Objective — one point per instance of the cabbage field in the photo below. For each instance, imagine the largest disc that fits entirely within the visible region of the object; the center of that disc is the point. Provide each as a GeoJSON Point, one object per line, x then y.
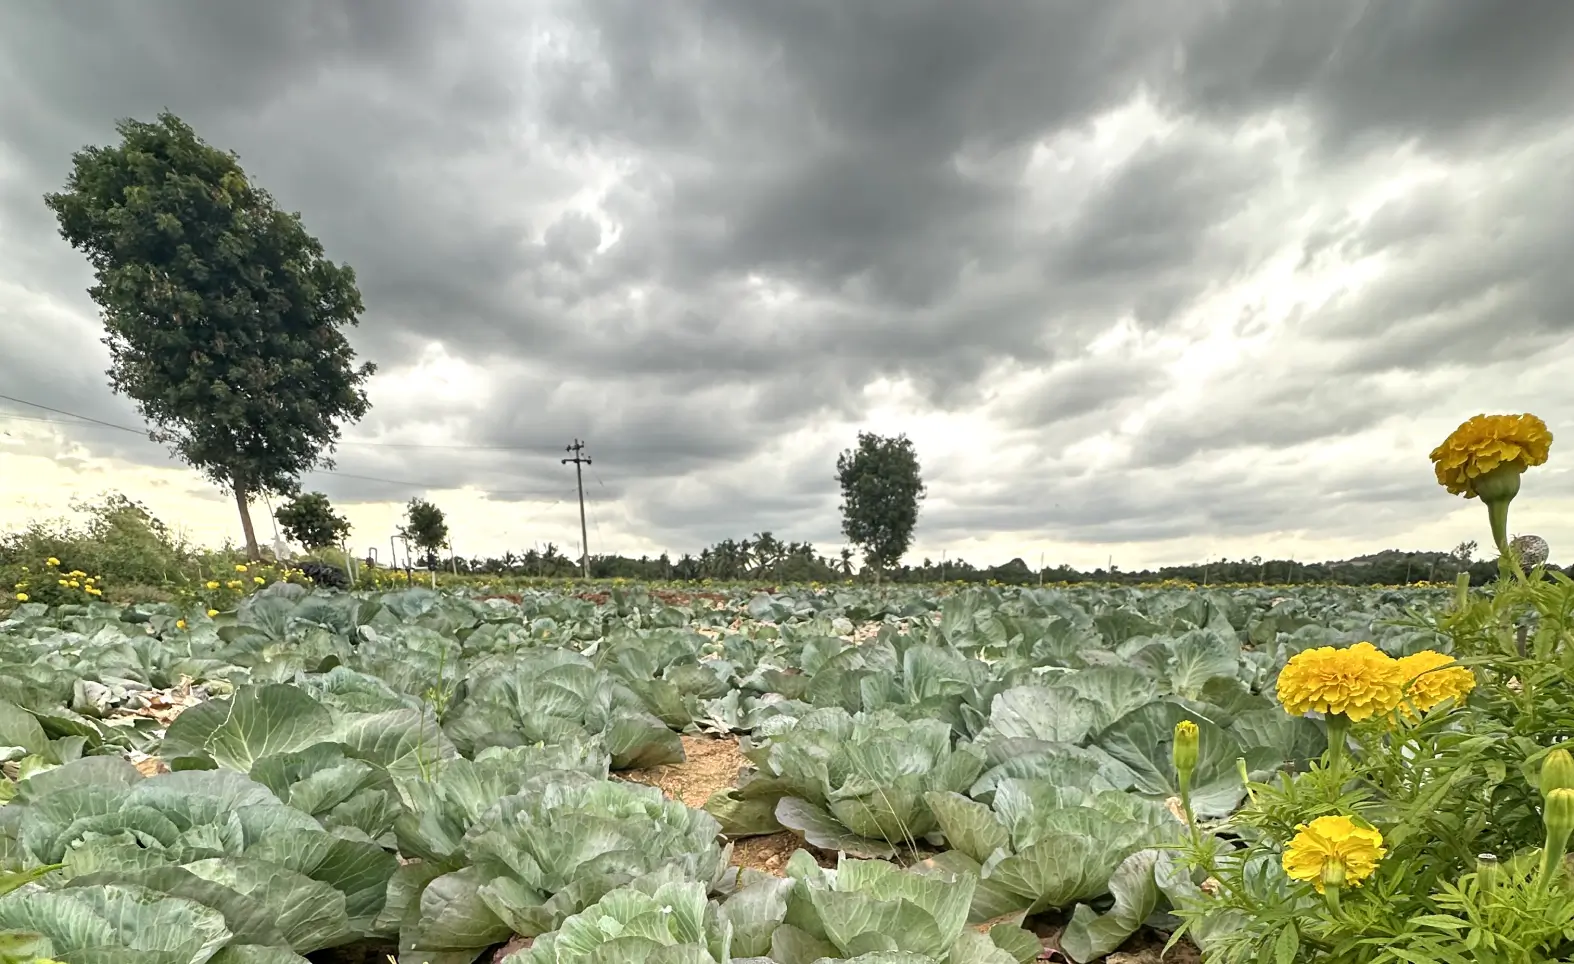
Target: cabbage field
{"type": "Point", "coordinates": [892, 776]}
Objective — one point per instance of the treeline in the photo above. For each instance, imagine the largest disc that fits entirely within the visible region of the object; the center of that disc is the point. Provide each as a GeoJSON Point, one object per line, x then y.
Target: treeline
{"type": "Point", "coordinates": [766, 558]}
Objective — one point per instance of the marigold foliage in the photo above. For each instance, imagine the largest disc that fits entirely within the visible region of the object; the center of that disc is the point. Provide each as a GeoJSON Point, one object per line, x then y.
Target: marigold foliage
{"type": "Point", "coordinates": [1358, 681]}
{"type": "Point", "coordinates": [1487, 442]}
{"type": "Point", "coordinates": [1333, 840]}
{"type": "Point", "coordinates": [1433, 677]}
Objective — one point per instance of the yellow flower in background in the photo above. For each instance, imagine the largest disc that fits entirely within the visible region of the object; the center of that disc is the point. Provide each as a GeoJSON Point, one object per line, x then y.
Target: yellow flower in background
{"type": "Point", "coordinates": [51, 561]}
{"type": "Point", "coordinates": [63, 582]}
{"type": "Point", "coordinates": [213, 584]}
{"type": "Point", "coordinates": [1354, 850]}
{"type": "Point", "coordinates": [180, 624]}
{"type": "Point", "coordinates": [1433, 677]}
{"type": "Point", "coordinates": [21, 597]}
{"type": "Point", "coordinates": [233, 584]}
{"type": "Point", "coordinates": [74, 584]}
{"type": "Point", "coordinates": [240, 567]}
{"type": "Point", "coordinates": [1487, 442]}
{"type": "Point", "coordinates": [212, 613]}
{"type": "Point", "coordinates": [1359, 682]}
{"type": "Point", "coordinates": [259, 580]}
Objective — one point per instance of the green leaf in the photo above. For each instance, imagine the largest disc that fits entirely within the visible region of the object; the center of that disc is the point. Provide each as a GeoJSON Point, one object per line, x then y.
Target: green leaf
{"type": "Point", "coordinates": [820, 828]}
{"type": "Point", "coordinates": [1287, 945]}
{"type": "Point", "coordinates": [258, 721]}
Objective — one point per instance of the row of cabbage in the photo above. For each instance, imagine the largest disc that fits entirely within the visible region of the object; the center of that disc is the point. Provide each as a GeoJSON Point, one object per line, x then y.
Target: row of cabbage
{"type": "Point", "coordinates": [435, 770]}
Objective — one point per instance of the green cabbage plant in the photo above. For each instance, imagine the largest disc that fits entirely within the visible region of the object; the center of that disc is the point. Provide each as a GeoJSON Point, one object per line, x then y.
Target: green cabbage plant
{"type": "Point", "coordinates": [1041, 846]}
{"type": "Point", "coordinates": [854, 783]}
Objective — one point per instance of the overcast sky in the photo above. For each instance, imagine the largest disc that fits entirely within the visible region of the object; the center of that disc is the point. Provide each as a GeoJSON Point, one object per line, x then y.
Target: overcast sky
{"type": "Point", "coordinates": [1150, 279]}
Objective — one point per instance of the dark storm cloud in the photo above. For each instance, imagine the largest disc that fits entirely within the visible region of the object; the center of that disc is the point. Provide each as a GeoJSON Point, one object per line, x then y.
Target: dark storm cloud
{"type": "Point", "coordinates": [1461, 70]}
{"type": "Point", "coordinates": [686, 231]}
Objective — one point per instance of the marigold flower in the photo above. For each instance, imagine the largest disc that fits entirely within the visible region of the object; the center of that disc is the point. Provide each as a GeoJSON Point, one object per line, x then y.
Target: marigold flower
{"type": "Point", "coordinates": [1359, 681]}
{"type": "Point", "coordinates": [1487, 442]}
{"type": "Point", "coordinates": [213, 584]}
{"type": "Point", "coordinates": [240, 567]}
{"type": "Point", "coordinates": [1433, 677]}
{"type": "Point", "coordinates": [1335, 840]}
{"type": "Point", "coordinates": [259, 580]}
{"type": "Point", "coordinates": [51, 561]}
{"type": "Point", "coordinates": [21, 597]}
{"type": "Point", "coordinates": [212, 613]}
{"type": "Point", "coordinates": [180, 624]}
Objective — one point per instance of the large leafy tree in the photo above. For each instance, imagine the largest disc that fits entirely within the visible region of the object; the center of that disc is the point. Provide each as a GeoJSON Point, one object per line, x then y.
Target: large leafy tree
{"type": "Point", "coordinates": [881, 489]}
{"type": "Point", "coordinates": [222, 315]}
{"type": "Point", "coordinates": [310, 520]}
{"type": "Point", "coordinates": [425, 526]}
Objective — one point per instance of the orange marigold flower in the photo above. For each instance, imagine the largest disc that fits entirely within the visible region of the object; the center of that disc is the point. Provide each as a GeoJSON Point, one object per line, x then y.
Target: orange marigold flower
{"type": "Point", "coordinates": [1432, 677]}
{"type": "Point", "coordinates": [1488, 442]}
{"type": "Point", "coordinates": [1356, 849]}
{"type": "Point", "coordinates": [1358, 681]}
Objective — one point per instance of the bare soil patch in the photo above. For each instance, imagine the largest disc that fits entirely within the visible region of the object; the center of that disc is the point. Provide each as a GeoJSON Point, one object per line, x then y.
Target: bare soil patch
{"type": "Point", "coordinates": [710, 764]}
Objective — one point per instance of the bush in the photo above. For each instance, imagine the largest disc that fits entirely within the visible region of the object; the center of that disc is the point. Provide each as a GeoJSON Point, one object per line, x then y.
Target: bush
{"type": "Point", "coordinates": [119, 542]}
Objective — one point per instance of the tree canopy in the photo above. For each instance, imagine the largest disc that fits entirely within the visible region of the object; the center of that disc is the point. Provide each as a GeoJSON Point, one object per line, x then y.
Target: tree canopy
{"type": "Point", "coordinates": [310, 520]}
{"type": "Point", "coordinates": [881, 489]}
{"type": "Point", "coordinates": [425, 526]}
{"type": "Point", "coordinates": [221, 313]}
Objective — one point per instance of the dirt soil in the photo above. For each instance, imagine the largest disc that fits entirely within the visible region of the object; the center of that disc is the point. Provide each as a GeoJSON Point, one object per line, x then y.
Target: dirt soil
{"type": "Point", "coordinates": [710, 764]}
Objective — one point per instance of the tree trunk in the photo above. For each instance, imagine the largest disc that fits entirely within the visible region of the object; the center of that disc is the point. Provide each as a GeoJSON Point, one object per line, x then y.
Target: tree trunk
{"type": "Point", "coordinates": [242, 501]}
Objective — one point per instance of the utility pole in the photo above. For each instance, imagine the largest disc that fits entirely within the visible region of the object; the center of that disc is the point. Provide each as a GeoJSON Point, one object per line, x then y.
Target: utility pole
{"type": "Point", "coordinates": [581, 460]}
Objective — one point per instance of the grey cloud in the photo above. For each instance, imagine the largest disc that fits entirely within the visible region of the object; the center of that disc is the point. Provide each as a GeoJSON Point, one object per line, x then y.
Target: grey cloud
{"type": "Point", "coordinates": [871, 161]}
{"type": "Point", "coordinates": [1452, 72]}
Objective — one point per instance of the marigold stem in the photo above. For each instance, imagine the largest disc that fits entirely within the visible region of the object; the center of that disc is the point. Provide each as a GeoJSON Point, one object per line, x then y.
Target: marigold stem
{"type": "Point", "coordinates": [1338, 728]}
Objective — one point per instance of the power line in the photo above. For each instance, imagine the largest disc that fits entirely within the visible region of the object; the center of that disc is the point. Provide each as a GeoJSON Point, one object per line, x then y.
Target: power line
{"type": "Point", "coordinates": [333, 472]}
{"type": "Point", "coordinates": [360, 442]}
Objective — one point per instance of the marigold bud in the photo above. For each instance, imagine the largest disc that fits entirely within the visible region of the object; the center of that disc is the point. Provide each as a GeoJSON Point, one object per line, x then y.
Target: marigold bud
{"type": "Point", "coordinates": [1184, 753]}
{"type": "Point", "coordinates": [1488, 872]}
{"type": "Point", "coordinates": [1557, 772]}
{"type": "Point", "coordinates": [1558, 814]}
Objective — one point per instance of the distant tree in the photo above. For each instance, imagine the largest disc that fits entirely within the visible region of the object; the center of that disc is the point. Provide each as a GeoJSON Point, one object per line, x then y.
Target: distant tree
{"type": "Point", "coordinates": [221, 313]}
{"type": "Point", "coordinates": [425, 526]}
{"type": "Point", "coordinates": [310, 520]}
{"type": "Point", "coordinates": [1464, 552]}
{"type": "Point", "coordinates": [881, 489]}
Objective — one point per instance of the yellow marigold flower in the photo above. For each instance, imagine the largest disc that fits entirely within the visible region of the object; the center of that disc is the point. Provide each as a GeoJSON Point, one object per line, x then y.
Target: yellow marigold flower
{"type": "Point", "coordinates": [1487, 442]}
{"type": "Point", "coordinates": [180, 624]}
{"type": "Point", "coordinates": [240, 567]}
{"type": "Point", "coordinates": [212, 613]}
{"type": "Point", "coordinates": [213, 584]}
{"type": "Point", "coordinates": [21, 597]}
{"type": "Point", "coordinates": [1359, 681]}
{"type": "Point", "coordinates": [1433, 677]}
{"type": "Point", "coordinates": [74, 584]}
{"type": "Point", "coordinates": [259, 580]}
{"type": "Point", "coordinates": [63, 582]}
{"type": "Point", "coordinates": [233, 584]}
{"type": "Point", "coordinates": [51, 561]}
{"type": "Point", "coordinates": [1333, 840]}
